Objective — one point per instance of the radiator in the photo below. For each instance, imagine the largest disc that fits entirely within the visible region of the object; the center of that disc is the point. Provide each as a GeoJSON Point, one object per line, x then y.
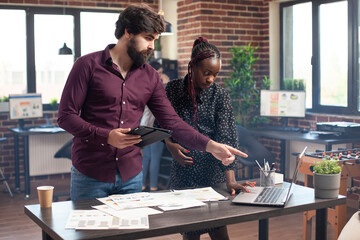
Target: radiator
{"type": "Point", "coordinates": [42, 148]}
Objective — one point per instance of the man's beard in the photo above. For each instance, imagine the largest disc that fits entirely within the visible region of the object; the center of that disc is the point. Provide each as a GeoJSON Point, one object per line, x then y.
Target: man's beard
{"type": "Point", "coordinates": [139, 58]}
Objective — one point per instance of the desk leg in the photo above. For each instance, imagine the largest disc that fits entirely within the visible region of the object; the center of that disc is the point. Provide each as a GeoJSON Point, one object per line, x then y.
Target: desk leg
{"type": "Point", "coordinates": [321, 224]}
{"type": "Point", "coordinates": [26, 167]}
{"type": "Point", "coordinates": [264, 229]}
{"type": "Point", "coordinates": [16, 156]}
{"type": "Point", "coordinates": [45, 236]}
{"type": "Point", "coordinates": [282, 156]}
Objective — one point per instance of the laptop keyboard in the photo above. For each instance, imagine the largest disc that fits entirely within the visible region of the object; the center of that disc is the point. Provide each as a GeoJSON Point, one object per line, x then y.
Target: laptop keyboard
{"type": "Point", "coordinates": [269, 195]}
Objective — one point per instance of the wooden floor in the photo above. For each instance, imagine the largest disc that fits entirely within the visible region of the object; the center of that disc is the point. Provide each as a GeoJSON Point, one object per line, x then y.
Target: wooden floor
{"type": "Point", "coordinates": [14, 224]}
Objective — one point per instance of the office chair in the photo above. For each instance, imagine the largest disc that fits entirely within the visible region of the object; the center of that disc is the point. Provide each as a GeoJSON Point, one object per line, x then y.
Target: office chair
{"type": "Point", "coordinates": [63, 152]}
{"type": "Point", "coordinates": [254, 149]}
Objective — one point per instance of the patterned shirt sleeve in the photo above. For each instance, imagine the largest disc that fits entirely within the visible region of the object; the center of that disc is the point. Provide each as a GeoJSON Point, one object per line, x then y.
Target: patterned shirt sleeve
{"type": "Point", "coordinates": [225, 122]}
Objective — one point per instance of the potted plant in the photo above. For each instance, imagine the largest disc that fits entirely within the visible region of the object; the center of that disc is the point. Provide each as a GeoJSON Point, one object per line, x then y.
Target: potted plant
{"type": "Point", "coordinates": [4, 104]}
{"type": "Point", "coordinates": [294, 84]}
{"type": "Point", "coordinates": [54, 104]}
{"type": "Point", "coordinates": [327, 174]}
{"type": "Point", "coordinates": [244, 89]}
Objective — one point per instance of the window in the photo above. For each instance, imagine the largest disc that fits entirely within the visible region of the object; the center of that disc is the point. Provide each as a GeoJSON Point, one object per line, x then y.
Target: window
{"type": "Point", "coordinates": [317, 43]}
{"type": "Point", "coordinates": [333, 43]}
{"type": "Point", "coordinates": [51, 68]}
{"type": "Point", "coordinates": [29, 60]}
{"type": "Point", "coordinates": [97, 31]}
{"type": "Point", "coordinates": [13, 52]}
{"type": "Point", "coordinates": [297, 50]}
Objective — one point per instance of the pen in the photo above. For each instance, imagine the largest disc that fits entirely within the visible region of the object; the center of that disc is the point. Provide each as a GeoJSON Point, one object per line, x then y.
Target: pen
{"type": "Point", "coordinates": [267, 167]}
{"type": "Point", "coordinates": [264, 164]}
{"type": "Point", "coordinates": [260, 167]}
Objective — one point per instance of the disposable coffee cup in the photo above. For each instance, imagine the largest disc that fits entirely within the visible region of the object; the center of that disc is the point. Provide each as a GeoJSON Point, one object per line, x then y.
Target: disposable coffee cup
{"type": "Point", "coordinates": [267, 178]}
{"type": "Point", "coordinates": [45, 194]}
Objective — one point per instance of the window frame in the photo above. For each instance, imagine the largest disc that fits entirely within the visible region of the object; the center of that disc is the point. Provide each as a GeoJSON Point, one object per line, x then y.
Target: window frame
{"type": "Point", "coordinates": [353, 55]}
{"type": "Point", "coordinates": [30, 36]}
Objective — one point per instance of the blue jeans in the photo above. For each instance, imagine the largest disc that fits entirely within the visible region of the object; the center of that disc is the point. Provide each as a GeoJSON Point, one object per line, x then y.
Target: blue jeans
{"type": "Point", "coordinates": [84, 187]}
{"type": "Point", "coordinates": [151, 163]}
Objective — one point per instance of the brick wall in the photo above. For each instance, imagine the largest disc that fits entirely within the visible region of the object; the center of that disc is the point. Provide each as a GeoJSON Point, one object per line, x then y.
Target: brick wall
{"type": "Point", "coordinates": [225, 24]}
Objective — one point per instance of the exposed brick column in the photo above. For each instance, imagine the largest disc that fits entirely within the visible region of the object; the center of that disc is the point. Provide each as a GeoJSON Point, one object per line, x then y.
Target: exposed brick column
{"type": "Point", "coordinates": [224, 24]}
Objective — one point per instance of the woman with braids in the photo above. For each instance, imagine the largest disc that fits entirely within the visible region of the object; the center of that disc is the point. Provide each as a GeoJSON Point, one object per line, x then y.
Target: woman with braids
{"type": "Point", "coordinates": [206, 106]}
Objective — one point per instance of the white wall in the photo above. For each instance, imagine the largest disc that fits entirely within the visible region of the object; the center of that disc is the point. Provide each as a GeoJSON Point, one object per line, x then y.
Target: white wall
{"type": "Point", "coordinates": [169, 43]}
{"type": "Point", "coordinates": [274, 42]}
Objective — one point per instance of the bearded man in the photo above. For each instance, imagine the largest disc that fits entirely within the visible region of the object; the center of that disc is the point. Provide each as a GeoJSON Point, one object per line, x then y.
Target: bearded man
{"type": "Point", "coordinates": [104, 98]}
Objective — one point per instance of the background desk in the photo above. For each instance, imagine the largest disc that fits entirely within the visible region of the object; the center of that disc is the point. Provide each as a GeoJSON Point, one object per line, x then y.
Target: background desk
{"type": "Point", "coordinates": [53, 220]}
{"type": "Point", "coordinates": [25, 133]}
{"type": "Point", "coordinates": [302, 137]}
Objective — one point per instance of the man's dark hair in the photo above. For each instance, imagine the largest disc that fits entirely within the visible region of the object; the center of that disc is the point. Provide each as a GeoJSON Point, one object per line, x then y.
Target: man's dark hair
{"type": "Point", "coordinates": [137, 19]}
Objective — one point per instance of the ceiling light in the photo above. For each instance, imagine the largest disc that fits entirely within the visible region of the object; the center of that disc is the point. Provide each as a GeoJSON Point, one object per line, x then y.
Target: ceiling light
{"type": "Point", "coordinates": [65, 50]}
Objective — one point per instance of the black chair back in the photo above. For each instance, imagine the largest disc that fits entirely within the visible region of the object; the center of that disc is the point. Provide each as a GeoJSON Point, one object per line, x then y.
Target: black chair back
{"type": "Point", "coordinates": [254, 149]}
{"type": "Point", "coordinates": [65, 150]}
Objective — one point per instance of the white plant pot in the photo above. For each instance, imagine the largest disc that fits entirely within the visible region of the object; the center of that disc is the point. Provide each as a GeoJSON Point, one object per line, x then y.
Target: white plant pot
{"type": "Point", "coordinates": [326, 185]}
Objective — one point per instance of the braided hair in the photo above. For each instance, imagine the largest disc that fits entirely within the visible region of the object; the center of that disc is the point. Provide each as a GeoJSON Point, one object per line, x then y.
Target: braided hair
{"type": "Point", "coordinates": [201, 50]}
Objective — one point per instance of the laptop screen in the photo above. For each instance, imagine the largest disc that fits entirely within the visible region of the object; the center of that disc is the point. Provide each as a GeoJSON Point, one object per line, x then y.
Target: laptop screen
{"type": "Point", "coordinates": [298, 165]}
{"type": "Point", "coordinates": [296, 171]}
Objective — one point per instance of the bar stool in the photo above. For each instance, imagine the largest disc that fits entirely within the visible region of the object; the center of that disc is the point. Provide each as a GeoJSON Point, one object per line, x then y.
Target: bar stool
{"type": "Point", "coordinates": [2, 177]}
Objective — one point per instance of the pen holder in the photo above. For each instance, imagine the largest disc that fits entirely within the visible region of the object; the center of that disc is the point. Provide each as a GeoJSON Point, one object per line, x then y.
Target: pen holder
{"type": "Point", "coordinates": [267, 178]}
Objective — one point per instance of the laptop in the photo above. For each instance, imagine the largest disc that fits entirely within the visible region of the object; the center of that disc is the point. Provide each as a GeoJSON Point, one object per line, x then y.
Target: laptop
{"type": "Point", "coordinates": [270, 196]}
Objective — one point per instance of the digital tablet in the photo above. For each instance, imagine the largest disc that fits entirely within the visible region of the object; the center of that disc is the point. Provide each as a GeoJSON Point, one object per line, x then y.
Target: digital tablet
{"type": "Point", "coordinates": [150, 135]}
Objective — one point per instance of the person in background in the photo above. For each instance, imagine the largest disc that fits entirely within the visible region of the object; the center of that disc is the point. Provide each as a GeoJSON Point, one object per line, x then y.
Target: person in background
{"type": "Point", "coordinates": [206, 106]}
{"type": "Point", "coordinates": [104, 98]}
{"type": "Point", "coordinates": [152, 153]}
{"type": "Point", "coordinates": [160, 69]}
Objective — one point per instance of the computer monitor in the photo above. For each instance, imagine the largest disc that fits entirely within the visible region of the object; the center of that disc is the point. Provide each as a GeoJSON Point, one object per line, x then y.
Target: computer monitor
{"type": "Point", "coordinates": [24, 106]}
{"type": "Point", "coordinates": [282, 103]}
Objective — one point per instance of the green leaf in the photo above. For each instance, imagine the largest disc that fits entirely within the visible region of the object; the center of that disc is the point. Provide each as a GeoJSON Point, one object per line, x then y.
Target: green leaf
{"type": "Point", "coordinates": [327, 166]}
{"type": "Point", "coordinates": [244, 89]}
